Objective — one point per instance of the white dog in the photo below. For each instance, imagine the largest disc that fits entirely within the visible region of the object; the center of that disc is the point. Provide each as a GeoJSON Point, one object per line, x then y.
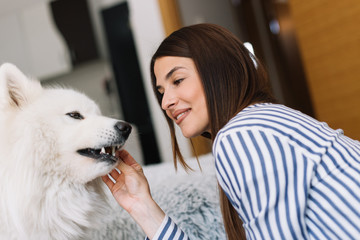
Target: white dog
{"type": "Point", "coordinates": [54, 145]}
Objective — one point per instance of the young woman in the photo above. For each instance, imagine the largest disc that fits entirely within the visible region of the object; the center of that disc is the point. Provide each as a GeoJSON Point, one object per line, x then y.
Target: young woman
{"type": "Point", "coordinates": [283, 175]}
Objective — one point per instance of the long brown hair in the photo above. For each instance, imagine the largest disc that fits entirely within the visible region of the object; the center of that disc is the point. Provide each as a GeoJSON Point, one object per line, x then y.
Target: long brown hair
{"type": "Point", "coordinates": [232, 79]}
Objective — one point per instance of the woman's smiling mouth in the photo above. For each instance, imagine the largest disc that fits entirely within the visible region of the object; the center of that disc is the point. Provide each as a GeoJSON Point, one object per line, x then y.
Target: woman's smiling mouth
{"type": "Point", "coordinates": [181, 116]}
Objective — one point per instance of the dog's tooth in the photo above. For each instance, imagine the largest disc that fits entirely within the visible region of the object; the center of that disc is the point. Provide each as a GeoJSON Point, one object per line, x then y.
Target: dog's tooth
{"type": "Point", "coordinates": [102, 150]}
{"type": "Point", "coordinates": [113, 150]}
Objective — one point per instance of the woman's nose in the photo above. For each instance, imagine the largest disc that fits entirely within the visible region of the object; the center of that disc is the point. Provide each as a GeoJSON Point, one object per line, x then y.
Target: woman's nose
{"type": "Point", "coordinates": [168, 101]}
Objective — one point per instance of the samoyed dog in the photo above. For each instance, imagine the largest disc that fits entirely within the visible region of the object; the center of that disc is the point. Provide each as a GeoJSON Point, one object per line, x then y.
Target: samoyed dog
{"type": "Point", "coordinates": [54, 146]}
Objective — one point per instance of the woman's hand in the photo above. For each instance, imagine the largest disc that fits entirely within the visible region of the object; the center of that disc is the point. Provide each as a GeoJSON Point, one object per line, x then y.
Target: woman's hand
{"type": "Point", "coordinates": [131, 190]}
{"type": "Point", "coordinates": [130, 185]}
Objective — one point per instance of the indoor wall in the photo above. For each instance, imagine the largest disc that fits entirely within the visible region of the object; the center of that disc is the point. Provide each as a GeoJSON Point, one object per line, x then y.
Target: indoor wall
{"type": "Point", "coordinates": [328, 33]}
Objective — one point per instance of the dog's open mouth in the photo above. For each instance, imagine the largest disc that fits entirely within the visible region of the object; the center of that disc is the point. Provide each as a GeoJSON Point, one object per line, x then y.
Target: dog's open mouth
{"type": "Point", "coordinates": [101, 154]}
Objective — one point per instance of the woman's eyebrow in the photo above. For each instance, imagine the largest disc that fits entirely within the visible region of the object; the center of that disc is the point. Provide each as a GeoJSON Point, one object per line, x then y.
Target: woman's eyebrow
{"type": "Point", "coordinates": [168, 75]}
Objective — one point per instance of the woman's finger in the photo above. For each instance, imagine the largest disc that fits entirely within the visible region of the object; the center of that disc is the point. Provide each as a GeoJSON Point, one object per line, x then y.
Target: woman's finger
{"type": "Point", "coordinates": [114, 174]}
{"type": "Point", "coordinates": [126, 157]}
{"type": "Point", "coordinates": [123, 167]}
{"type": "Point", "coordinates": [127, 161]}
{"type": "Point", "coordinates": [106, 179]}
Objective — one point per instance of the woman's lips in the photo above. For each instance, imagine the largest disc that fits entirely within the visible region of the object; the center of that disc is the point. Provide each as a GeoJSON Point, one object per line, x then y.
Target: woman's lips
{"type": "Point", "coordinates": [181, 116]}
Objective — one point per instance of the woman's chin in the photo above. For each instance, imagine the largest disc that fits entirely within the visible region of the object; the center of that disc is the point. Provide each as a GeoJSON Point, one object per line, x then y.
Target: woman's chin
{"type": "Point", "coordinates": [190, 133]}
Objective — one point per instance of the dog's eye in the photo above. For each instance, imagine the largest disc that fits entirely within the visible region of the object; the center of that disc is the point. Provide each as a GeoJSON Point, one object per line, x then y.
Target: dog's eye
{"type": "Point", "coordinates": [75, 115]}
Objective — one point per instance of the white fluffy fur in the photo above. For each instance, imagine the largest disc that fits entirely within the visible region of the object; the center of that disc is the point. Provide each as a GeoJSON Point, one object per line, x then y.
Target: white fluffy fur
{"type": "Point", "coordinates": [47, 190]}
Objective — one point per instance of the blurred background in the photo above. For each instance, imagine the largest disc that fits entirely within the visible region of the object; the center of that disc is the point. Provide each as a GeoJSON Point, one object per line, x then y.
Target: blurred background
{"type": "Point", "coordinates": [103, 48]}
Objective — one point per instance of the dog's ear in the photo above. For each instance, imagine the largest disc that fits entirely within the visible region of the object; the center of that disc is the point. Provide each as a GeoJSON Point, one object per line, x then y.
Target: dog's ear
{"type": "Point", "coordinates": [16, 90]}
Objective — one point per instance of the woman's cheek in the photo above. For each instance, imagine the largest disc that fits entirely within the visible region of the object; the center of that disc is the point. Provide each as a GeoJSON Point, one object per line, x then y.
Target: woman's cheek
{"type": "Point", "coordinates": [169, 115]}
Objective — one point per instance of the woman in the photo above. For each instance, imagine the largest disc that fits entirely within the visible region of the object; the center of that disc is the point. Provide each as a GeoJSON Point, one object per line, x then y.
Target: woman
{"type": "Point", "coordinates": [283, 175]}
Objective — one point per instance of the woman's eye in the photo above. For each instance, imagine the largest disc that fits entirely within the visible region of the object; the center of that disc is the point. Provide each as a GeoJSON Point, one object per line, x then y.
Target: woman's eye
{"type": "Point", "coordinates": [178, 81]}
{"type": "Point", "coordinates": [75, 115]}
{"type": "Point", "coordinates": [160, 92]}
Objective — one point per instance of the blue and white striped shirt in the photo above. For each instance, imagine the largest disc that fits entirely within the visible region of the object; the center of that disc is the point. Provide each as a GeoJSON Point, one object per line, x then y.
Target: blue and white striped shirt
{"type": "Point", "coordinates": [287, 175]}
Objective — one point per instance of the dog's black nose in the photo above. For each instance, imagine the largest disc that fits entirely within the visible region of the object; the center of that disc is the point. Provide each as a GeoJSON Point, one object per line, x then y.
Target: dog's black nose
{"type": "Point", "coordinates": [123, 128]}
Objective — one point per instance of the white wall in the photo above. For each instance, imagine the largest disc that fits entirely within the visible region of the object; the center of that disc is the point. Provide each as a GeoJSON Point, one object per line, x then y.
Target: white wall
{"type": "Point", "coordinates": [29, 39]}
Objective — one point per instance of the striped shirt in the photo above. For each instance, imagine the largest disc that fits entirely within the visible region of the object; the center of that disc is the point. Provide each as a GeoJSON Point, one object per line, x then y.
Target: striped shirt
{"type": "Point", "coordinates": [287, 175]}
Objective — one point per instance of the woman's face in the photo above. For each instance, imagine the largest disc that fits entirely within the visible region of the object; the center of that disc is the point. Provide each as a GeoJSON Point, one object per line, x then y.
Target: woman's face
{"type": "Point", "coordinates": [183, 95]}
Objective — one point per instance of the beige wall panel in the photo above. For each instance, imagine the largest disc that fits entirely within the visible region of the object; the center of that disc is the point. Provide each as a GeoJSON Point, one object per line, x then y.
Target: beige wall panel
{"type": "Point", "coordinates": [170, 15]}
{"type": "Point", "coordinates": [328, 33]}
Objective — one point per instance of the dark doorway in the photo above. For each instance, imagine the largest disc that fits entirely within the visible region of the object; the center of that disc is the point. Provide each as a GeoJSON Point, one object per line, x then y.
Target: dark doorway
{"type": "Point", "coordinates": [72, 18]}
{"type": "Point", "coordinates": [125, 65]}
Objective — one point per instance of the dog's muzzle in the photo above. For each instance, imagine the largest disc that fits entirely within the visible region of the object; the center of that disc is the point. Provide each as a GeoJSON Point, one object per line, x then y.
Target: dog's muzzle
{"type": "Point", "coordinates": [107, 152]}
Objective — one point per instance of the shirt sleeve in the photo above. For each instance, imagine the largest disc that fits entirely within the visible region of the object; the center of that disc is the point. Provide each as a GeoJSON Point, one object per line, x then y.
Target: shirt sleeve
{"type": "Point", "coordinates": [169, 231]}
{"type": "Point", "coordinates": [266, 179]}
